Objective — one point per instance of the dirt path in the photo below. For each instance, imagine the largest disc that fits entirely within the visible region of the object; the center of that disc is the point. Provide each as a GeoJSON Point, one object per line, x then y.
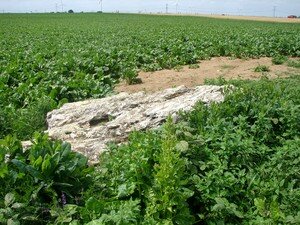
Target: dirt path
{"type": "Point", "coordinates": [214, 68]}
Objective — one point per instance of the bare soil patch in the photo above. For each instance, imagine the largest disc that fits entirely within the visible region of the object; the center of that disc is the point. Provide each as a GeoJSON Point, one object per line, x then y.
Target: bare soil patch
{"type": "Point", "coordinates": [254, 18]}
{"type": "Point", "coordinates": [208, 69]}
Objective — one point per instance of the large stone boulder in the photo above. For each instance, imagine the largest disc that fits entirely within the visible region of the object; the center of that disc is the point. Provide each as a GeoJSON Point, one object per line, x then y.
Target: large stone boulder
{"type": "Point", "coordinates": [90, 125]}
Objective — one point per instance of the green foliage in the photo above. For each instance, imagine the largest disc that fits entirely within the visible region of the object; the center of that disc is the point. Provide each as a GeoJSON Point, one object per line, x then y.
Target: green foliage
{"type": "Point", "coordinates": [11, 211]}
{"type": "Point", "coordinates": [123, 178]}
{"type": "Point", "coordinates": [238, 155]}
{"type": "Point", "coordinates": [131, 76]}
{"type": "Point", "coordinates": [262, 68]}
{"type": "Point", "coordinates": [294, 63]}
{"type": "Point", "coordinates": [218, 81]}
{"type": "Point", "coordinates": [168, 195]}
{"type": "Point", "coordinates": [194, 66]}
{"type": "Point", "coordinates": [25, 121]}
{"type": "Point", "coordinates": [235, 162]}
{"type": "Point", "coordinates": [279, 59]}
{"type": "Point", "coordinates": [126, 214]}
{"type": "Point", "coordinates": [144, 182]}
{"type": "Point", "coordinates": [178, 68]}
{"type": "Point", "coordinates": [59, 58]}
{"type": "Point", "coordinates": [47, 175]}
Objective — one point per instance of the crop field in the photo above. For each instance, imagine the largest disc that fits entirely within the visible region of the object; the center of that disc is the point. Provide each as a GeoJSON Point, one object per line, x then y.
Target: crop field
{"type": "Point", "coordinates": [46, 60]}
{"type": "Point", "coordinates": [236, 162]}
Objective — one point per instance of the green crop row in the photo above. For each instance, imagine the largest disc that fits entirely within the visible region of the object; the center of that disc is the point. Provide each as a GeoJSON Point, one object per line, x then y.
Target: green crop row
{"type": "Point", "coordinates": [49, 59]}
{"type": "Point", "coordinates": [236, 162]}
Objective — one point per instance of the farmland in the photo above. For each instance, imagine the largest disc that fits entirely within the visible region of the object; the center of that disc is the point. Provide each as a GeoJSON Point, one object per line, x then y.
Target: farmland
{"type": "Point", "coordinates": [50, 59]}
{"type": "Point", "coordinates": [231, 163]}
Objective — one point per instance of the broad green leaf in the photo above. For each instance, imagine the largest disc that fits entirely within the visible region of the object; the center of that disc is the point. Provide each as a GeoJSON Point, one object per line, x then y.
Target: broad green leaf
{"type": "Point", "coordinates": [38, 162]}
{"type": "Point", "coordinates": [182, 146]}
{"type": "Point", "coordinates": [13, 222]}
{"type": "Point", "coordinates": [46, 165]}
{"type": "Point", "coordinates": [9, 199]}
{"type": "Point", "coordinates": [3, 170]}
{"type": "Point", "coordinates": [18, 205]}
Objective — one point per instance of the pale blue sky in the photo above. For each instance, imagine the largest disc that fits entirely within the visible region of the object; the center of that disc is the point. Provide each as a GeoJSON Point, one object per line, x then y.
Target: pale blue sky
{"type": "Point", "coordinates": [234, 7]}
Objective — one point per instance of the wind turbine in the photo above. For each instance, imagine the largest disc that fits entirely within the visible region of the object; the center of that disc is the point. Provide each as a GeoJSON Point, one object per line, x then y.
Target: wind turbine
{"type": "Point", "coordinates": [62, 6]}
{"type": "Point", "coordinates": [100, 3]}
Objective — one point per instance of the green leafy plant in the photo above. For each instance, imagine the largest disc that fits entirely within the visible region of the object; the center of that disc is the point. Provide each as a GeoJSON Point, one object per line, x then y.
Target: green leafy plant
{"type": "Point", "coordinates": [178, 68]}
{"type": "Point", "coordinates": [232, 155]}
{"type": "Point", "coordinates": [131, 76]}
{"type": "Point", "coordinates": [46, 175]}
{"type": "Point", "coordinates": [279, 59]}
{"type": "Point", "coordinates": [294, 63]}
{"type": "Point", "coordinates": [168, 195]}
{"type": "Point", "coordinates": [12, 211]}
{"type": "Point", "coordinates": [194, 66]}
{"type": "Point", "coordinates": [262, 68]}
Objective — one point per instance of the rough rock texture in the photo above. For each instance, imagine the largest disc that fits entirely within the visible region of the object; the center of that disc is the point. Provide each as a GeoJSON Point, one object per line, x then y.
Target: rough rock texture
{"type": "Point", "coordinates": [90, 125]}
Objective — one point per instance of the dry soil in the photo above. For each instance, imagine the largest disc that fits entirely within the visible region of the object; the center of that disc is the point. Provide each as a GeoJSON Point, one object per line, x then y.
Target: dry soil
{"type": "Point", "coordinates": [255, 18]}
{"type": "Point", "coordinates": [213, 68]}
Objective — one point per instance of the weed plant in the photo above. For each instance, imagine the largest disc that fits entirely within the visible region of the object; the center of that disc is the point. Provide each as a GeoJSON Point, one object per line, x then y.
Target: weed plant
{"type": "Point", "coordinates": [294, 63]}
{"type": "Point", "coordinates": [279, 60]}
{"type": "Point", "coordinates": [262, 68]}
